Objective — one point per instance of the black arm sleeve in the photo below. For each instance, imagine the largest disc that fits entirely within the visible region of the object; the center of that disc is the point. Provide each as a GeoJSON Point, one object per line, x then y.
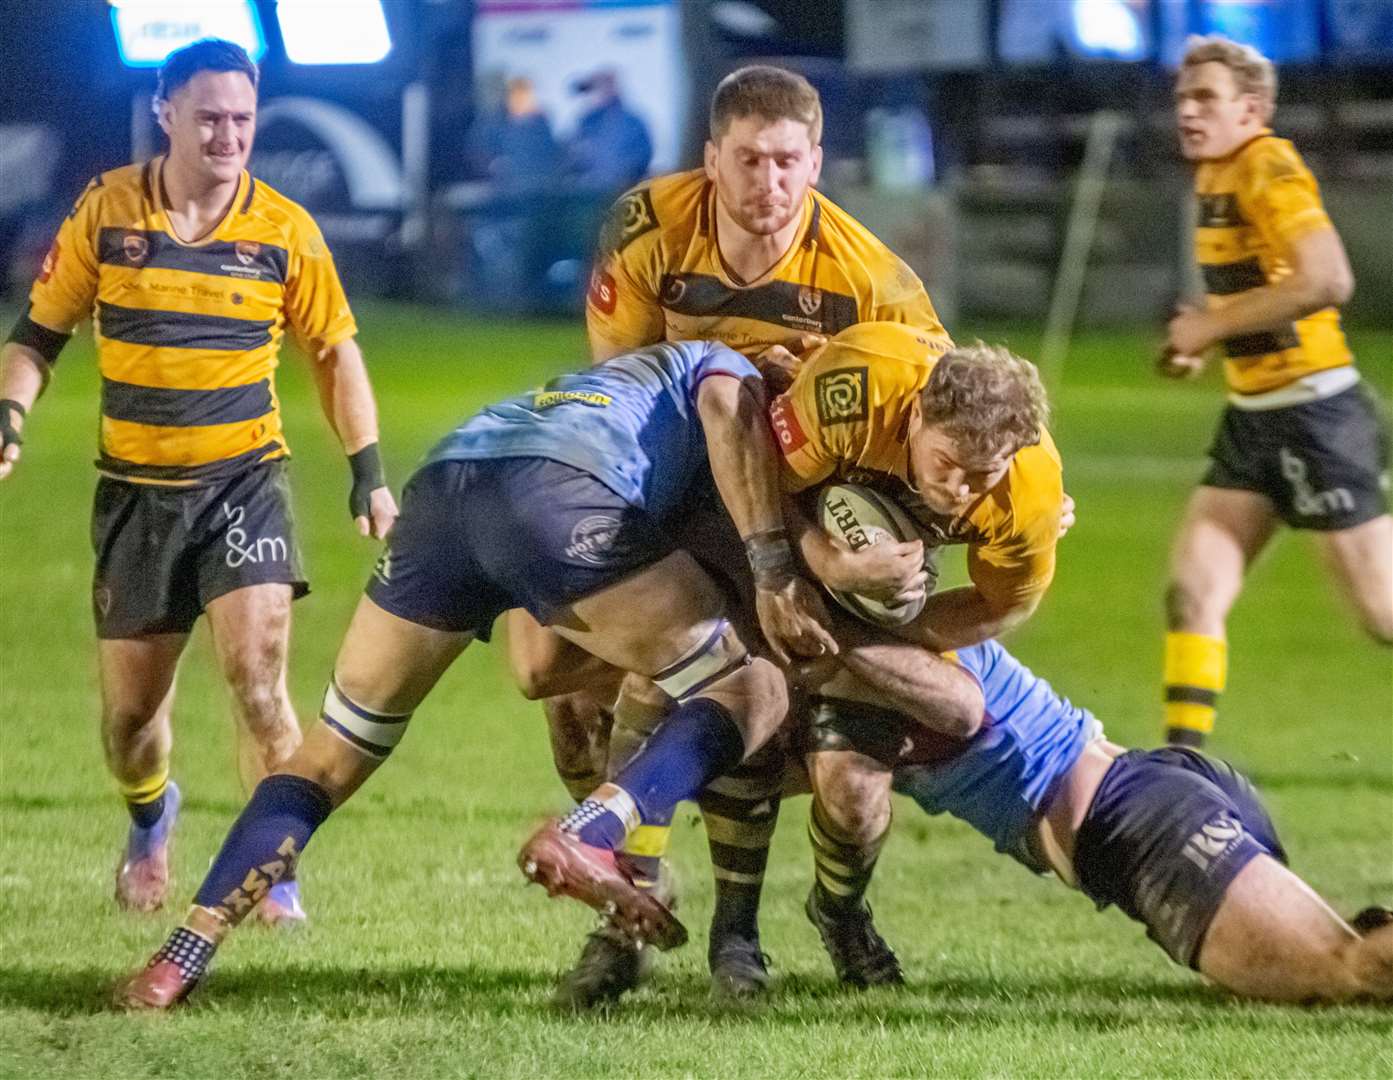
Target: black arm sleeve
{"type": "Point", "coordinates": [47, 343]}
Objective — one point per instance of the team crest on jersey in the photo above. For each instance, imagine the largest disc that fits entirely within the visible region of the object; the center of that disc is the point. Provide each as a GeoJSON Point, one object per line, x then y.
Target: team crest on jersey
{"type": "Point", "coordinates": [1220, 212]}
{"type": "Point", "coordinates": [674, 288]}
{"type": "Point", "coordinates": [136, 248]}
{"type": "Point", "coordinates": [631, 217]}
{"type": "Point", "coordinates": [841, 396]}
{"type": "Point", "coordinates": [809, 299]}
{"type": "Point", "coordinates": [247, 251]}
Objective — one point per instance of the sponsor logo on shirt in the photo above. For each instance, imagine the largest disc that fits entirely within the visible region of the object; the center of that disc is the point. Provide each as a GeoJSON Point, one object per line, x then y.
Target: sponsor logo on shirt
{"type": "Point", "coordinates": [841, 396]}
{"type": "Point", "coordinates": [50, 264]}
{"type": "Point", "coordinates": [592, 538]}
{"type": "Point", "coordinates": [547, 398]}
{"type": "Point", "coordinates": [784, 421]}
{"type": "Point", "coordinates": [604, 294]}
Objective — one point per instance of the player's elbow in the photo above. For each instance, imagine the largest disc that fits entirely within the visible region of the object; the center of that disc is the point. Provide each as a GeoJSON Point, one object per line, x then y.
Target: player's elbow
{"type": "Point", "coordinates": [1333, 287]}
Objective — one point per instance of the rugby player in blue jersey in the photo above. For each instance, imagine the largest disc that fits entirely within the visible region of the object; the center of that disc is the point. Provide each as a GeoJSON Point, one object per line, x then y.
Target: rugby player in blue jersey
{"type": "Point", "coordinates": [562, 502]}
{"type": "Point", "coordinates": [1178, 841]}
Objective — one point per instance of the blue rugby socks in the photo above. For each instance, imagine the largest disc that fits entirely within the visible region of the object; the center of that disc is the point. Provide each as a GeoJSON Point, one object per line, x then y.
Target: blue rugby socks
{"type": "Point", "coordinates": [697, 743]}
{"type": "Point", "coordinates": [264, 845]}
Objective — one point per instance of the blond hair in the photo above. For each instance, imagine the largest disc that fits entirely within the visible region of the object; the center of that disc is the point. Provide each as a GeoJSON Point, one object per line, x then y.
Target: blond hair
{"type": "Point", "coordinates": [772, 94]}
{"type": "Point", "coordinates": [986, 399]}
{"type": "Point", "coordinates": [1253, 73]}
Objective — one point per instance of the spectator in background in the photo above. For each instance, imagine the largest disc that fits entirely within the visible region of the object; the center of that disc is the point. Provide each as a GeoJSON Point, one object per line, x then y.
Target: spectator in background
{"type": "Point", "coordinates": [610, 150]}
{"type": "Point", "coordinates": [511, 143]}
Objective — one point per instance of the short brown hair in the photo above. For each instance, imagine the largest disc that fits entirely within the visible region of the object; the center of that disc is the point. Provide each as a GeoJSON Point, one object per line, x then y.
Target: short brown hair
{"type": "Point", "coordinates": [986, 399]}
{"type": "Point", "coordinates": [771, 93]}
{"type": "Point", "coordinates": [1253, 73]}
{"type": "Point", "coordinates": [206, 54]}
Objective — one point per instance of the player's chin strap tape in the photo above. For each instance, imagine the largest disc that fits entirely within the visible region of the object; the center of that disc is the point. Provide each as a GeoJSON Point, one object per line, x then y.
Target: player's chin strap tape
{"type": "Point", "coordinates": [47, 343]}
{"type": "Point", "coordinates": [716, 657]}
{"type": "Point", "coordinates": [375, 734]}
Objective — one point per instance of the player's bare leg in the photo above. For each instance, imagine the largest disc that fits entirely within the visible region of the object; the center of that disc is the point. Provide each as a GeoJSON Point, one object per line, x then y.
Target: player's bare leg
{"type": "Point", "coordinates": [251, 637]}
{"type": "Point", "coordinates": [1361, 559]}
{"type": "Point", "coordinates": [385, 668]}
{"type": "Point", "coordinates": [1273, 938]}
{"type": "Point", "coordinates": [664, 622]}
{"type": "Point", "coordinates": [611, 963]}
{"type": "Point", "coordinates": [847, 824]}
{"type": "Point", "coordinates": [137, 680]}
{"type": "Point", "coordinates": [576, 691]}
{"type": "Point", "coordinates": [1222, 532]}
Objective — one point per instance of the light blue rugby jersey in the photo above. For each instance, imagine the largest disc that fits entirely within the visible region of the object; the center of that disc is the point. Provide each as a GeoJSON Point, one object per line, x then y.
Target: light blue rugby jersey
{"type": "Point", "coordinates": [1030, 739]}
{"type": "Point", "coordinates": [630, 422]}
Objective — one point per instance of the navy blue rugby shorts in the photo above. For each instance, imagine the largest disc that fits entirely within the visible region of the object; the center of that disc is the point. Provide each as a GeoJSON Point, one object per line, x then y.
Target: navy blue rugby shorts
{"type": "Point", "coordinates": [476, 538]}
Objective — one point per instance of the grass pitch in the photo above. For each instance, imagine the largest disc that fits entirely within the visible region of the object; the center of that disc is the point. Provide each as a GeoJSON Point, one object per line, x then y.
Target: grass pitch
{"type": "Point", "coordinates": [426, 957]}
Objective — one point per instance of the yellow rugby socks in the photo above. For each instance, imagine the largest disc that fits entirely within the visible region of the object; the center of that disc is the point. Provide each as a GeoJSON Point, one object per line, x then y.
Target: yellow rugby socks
{"type": "Point", "coordinates": [145, 798]}
{"type": "Point", "coordinates": [1196, 668]}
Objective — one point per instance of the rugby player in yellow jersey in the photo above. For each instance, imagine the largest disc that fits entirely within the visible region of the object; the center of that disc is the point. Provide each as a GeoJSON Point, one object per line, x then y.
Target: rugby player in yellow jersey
{"type": "Point", "coordinates": [743, 251]}
{"type": "Point", "coordinates": [956, 435]}
{"type": "Point", "coordinates": [193, 269]}
{"type": "Point", "coordinates": [1300, 441]}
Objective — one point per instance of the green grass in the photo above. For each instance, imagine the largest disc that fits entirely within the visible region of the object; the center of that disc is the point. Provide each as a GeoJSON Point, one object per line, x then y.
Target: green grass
{"type": "Point", "coordinates": [426, 957]}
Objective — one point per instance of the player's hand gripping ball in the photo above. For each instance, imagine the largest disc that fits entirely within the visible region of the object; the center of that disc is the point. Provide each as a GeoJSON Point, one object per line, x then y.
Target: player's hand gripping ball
{"type": "Point", "coordinates": [860, 517]}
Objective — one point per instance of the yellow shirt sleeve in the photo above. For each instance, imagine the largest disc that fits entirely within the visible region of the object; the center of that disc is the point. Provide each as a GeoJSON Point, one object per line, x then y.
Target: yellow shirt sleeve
{"type": "Point", "coordinates": [1016, 562]}
{"type": "Point", "coordinates": [811, 450]}
{"type": "Point", "coordinates": [315, 305]}
{"type": "Point", "coordinates": [621, 305]}
{"type": "Point", "coordinates": [902, 298]}
{"type": "Point", "coordinates": [66, 288]}
{"type": "Point", "coordinates": [1281, 197]}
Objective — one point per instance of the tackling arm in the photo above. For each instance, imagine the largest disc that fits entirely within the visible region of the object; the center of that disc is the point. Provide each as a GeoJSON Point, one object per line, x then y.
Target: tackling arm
{"type": "Point", "coordinates": [741, 452]}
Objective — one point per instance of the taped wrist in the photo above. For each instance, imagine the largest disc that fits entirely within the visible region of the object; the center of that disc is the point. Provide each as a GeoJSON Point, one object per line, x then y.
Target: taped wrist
{"type": "Point", "coordinates": [368, 476]}
{"type": "Point", "coordinates": [771, 558]}
{"type": "Point", "coordinates": [9, 411]}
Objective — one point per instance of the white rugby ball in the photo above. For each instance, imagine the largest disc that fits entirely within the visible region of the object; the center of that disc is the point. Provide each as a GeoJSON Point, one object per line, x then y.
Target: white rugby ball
{"type": "Point", "coordinates": [859, 517]}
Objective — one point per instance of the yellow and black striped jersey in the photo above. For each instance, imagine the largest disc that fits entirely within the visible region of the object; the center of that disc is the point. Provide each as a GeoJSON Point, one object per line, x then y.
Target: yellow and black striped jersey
{"type": "Point", "coordinates": [1252, 205]}
{"type": "Point", "coordinates": [846, 416]}
{"type": "Point", "coordinates": [188, 335]}
{"type": "Point", "coordinates": [659, 276]}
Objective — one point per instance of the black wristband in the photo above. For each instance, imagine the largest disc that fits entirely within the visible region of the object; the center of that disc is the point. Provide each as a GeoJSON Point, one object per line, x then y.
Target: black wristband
{"type": "Point", "coordinates": [771, 558]}
{"type": "Point", "coordinates": [9, 434]}
{"type": "Point", "coordinates": [368, 476]}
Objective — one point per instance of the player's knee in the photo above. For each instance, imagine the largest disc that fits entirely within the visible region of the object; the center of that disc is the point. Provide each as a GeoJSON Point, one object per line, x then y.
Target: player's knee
{"type": "Point", "coordinates": [369, 731]}
{"type": "Point", "coordinates": [764, 694]}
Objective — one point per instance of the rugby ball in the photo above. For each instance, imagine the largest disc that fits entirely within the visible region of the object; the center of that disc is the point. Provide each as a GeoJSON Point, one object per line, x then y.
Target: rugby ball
{"type": "Point", "coordinates": [859, 517]}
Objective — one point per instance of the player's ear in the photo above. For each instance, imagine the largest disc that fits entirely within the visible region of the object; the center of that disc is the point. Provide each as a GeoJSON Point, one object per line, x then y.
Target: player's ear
{"type": "Point", "coordinates": [164, 114]}
{"type": "Point", "coordinates": [817, 165]}
{"type": "Point", "coordinates": [709, 158]}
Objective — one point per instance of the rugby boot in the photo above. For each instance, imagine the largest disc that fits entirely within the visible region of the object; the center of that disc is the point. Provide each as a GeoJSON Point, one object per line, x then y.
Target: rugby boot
{"type": "Point", "coordinates": [739, 970]}
{"type": "Point", "coordinates": [1370, 919]}
{"type": "Point", "coordinates": [564, 866]}
{"type": "Point", "coordinates": [859, 954]}
{"type": "Point", "coordinates": [142, 878]}
{"type": "Point", "coordinates": [281, 907]}
{"type": "Point", "coordinates": [171, 974]}
{"type": "Point", "coordinates": [610, 965]}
